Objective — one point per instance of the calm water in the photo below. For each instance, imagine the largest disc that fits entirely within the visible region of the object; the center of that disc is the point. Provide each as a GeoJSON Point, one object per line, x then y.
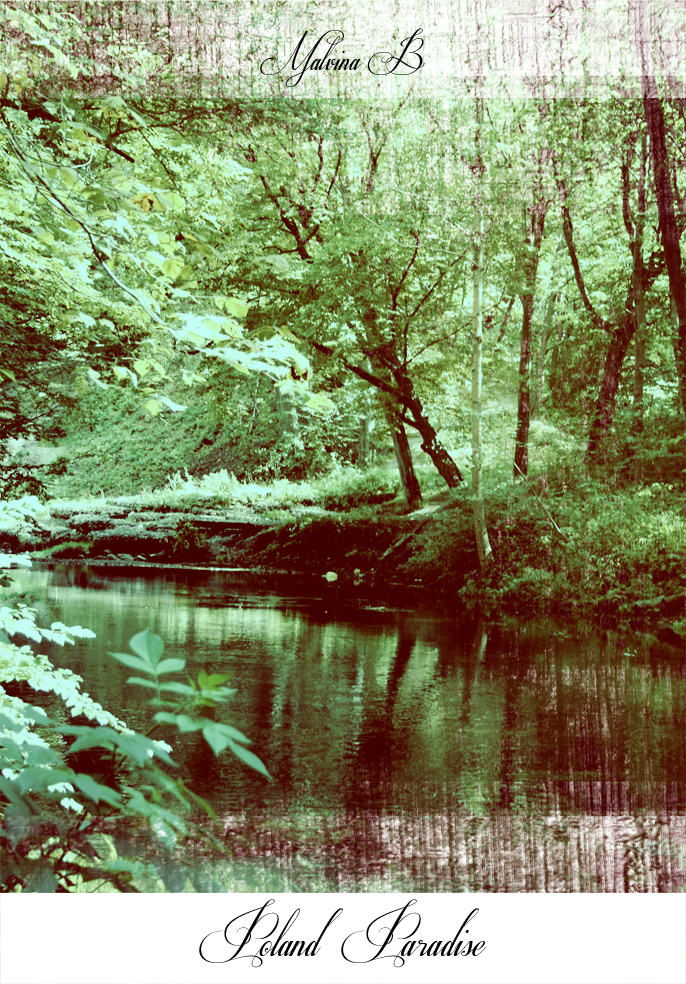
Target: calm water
{"type": "Point", "coordinates": [410, 750]}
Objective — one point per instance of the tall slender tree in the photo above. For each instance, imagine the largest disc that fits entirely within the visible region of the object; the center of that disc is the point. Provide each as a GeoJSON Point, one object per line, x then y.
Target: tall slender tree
{"type": "Point", "coordinates": [483, 545]}
{"type": "Point", "coordinates": [530, 257]}
{"type": "Point", "coordinates": [655, 122]}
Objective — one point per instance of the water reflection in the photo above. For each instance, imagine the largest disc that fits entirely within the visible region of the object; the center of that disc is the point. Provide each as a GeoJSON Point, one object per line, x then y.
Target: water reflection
{"type": "Point", "coordinates": [410, 750]}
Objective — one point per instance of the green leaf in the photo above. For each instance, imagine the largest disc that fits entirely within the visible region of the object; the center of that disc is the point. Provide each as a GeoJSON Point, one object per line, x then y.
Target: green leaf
{"type": "Point", "coordinates": [221, 736]}
{"type": "Point", "coordinates": [143, 683]}
{"type": "Point", "coordinates": [172, 267]}
{"type": "Point", "coordinates": [214, 680]}
{"type": "Point", "coordinates": [148, 646]}
{"type": "Point", "coordinates": [171, 200]}
{"type": "Point", "coordinates": [43, 235]}
{"type": "Point", "coordinates": [134, 662]}
{"type": "Point", "coordinates": [182, 721]}
{"type": "Point", "coordinates": [141, 805]}
{"type": "Point", "coordinates": [176, 407]}
{"type": "Point", "coordinates": [95, 377]}
{"type": "Point", "coordinates": [174, 688]}
{"type": "Point", "coordinates": [136, 746]}
{"type": "Point", "coordinates": [8, 724]}
{"type": "Point", "coordinates": [187, 272]}
{"type": "Point", "coordinates": [170, 666]}
{"type": "Point", "coordinates": [164, 832]}
{"type": "Point", "coordinates": [214, 738]}
{"type": "Point", "coordinates": [96, 790]}
{"type": "Point", "coordinates": [236, 307]}
{"type": "Point", "coordinates": [121, 372]}
{"type": "Point", "coordinates": [11, 790]}
{"type": "Point", "coordinates": [249, 758]}
{"type": "Point", "coordinates": [36, 714]}
{"type": "Point", "coordinates": [37, 779]}
{"type": "Point", "coordinates": [152, 406]}
{"type": "Point", "coordinates": [234, 733]}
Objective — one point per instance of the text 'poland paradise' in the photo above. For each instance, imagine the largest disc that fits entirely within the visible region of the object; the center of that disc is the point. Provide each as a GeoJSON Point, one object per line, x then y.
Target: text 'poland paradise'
{"type": "Point", "coordinates": [392, 935]}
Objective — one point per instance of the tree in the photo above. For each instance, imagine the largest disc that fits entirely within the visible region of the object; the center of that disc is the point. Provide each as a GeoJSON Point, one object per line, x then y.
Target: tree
{"type": "Point", "coordinates": [610, 283]}
{"type": "Point", "coordinates": [483, 545]}
{"type": "Point", "coordinates": [338, 281]}
{"type": "Point", "coordinates": [664, 193]}
{"type": "Point", "coordinates": [536, 214]}
{"type": "Point", "coordinates": [93, 210]}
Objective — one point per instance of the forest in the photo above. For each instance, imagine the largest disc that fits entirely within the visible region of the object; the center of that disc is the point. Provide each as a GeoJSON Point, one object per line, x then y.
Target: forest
{"type": "Point", "coordinates": [434, 344]}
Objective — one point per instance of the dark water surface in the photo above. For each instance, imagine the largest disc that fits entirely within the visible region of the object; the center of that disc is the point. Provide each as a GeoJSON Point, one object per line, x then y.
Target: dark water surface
{"type": "Point", "coordinates": [411, 750]}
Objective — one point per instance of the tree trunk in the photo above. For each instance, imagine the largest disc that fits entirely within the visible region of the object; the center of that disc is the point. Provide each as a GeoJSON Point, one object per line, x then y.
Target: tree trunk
{"type": "Point", "coordinates": [605, 404]}
{"type": "Point", "coordinates": [403, 456]}
{"type": "Point", "coordinates": [676, 348]}
{"type": "Point", "coordinates": [363, 441]}
{"type": "Point", "coordinates": [444, 464]}
{"type": "Point", "coordinates": [366, 427]}
{"type": "Point", "coordinates": [533, 251]}
{"type": "Point", "coordinates": [639, 299]}
{"type": "Point", "coordinates": [664, 193]}
{"type": "Point", "coordinates": [521, 457]}
{"type": "Point", "coordinates": [555, 355]}
{"type": "Point", "coordinates": [551, 300]}
{"type": "Point", "coordinates": [483, 545]}
{"type": "Point", "coordinates": [418, 419]}
{"type": "Point", "coordinates": [286, 409]}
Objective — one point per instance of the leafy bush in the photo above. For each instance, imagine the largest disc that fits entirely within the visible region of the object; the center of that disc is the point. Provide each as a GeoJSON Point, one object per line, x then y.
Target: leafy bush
{"type": "Point", "coordinates": [15, 512]}
{"type": "Point", "coordinates": [17, 516]}
{"type": "Point", "coordinates": [56, 821]}
{"type": "Point", "coordinates": [189, 542]}
{"type": "Point", "coordinates": [22, 479]}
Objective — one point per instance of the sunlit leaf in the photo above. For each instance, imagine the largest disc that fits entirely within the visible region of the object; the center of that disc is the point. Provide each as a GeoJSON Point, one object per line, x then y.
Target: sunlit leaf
{"type": "Point", "coordinates": [170, 666]}
{"type": "Point", "coordinates": [172, 267]}
{"type": "Point", "coordinates": [176, 407]}
{"type": "Point", "coordinates": [148, 646]}
{"type": "Point", "coordinates": [133, 662]}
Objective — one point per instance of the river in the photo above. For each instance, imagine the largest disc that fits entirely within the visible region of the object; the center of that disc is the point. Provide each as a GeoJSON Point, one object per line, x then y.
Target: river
{"type": "Point", "coordinates": [411, 750]}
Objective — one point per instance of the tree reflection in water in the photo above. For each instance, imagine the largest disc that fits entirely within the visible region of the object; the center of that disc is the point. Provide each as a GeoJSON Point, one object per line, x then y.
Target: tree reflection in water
{"type": "Point", "coordinates": [412, 751]}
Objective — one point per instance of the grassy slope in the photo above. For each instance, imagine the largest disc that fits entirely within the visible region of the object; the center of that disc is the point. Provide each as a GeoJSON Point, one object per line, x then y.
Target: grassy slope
{"type": "Point", "coordinates": [115, 447]}
{"type": "Point", "coordinates": [614, 545]}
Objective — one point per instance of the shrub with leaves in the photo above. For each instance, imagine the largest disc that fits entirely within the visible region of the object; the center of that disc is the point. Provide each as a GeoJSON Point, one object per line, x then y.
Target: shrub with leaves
{"type": "Point", "coordinates": [56, 820]}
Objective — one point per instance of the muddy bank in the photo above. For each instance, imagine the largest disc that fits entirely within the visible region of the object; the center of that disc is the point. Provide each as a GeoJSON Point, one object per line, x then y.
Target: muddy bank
{"type": "Point", "coordinates": [119, 533]}
{"type": "Point", "coordinates": [430, 551]}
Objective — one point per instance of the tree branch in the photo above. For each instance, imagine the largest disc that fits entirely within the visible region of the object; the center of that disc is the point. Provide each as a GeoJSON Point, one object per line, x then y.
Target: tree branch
{"type": "Point", "coordinates": [394, 293]}
{"type": "Point", "coordinates": [368, 377]}
{"type": "Point", "coordinates": [288, 223]}
{"type": "Point", "coordinates": [568, 231]}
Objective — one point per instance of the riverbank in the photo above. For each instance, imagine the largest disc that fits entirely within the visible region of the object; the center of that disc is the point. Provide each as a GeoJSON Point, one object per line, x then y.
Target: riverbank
{"type": "Point", "coordinates": [609, 555]}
